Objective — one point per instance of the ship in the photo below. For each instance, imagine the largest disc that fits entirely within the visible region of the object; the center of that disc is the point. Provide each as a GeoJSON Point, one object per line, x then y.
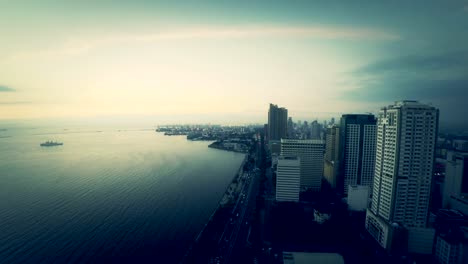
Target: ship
{"type": "Point", "coordinates": [51, 144]}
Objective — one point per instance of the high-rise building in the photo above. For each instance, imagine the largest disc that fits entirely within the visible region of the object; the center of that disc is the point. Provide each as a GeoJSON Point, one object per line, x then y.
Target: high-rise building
{"type": "Point", "coordinates": [358, 143]}
{"type": "Point", "coordinates": [456, 176]}
{"type": "Point", "coordinates": [277, 122]}
{"type": "Point", "coordinates": [315, 130]}
{"type": "Point", "coordinates": [406, 137]}
{"type": "Point", "coordinates": [288, 179]}
{"type": "Point", "coordinates": [311, 154]}
{"type": "Point", "coordinates": [291, 133]}
{"type": "Point", "coordinates": [332, 156]}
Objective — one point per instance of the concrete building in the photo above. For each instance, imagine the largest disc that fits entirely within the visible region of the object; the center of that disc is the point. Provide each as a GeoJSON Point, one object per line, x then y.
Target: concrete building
{"type": "Point", "coordinates": [438, 184]}
{"type": "Point", "coordinates": [332, 156]}
{"type": "Point", "coordinates": [452, 249]}
{"type": "Point", "coordinates": [392, 237]}
{"type": "Point", "coordinates": [274, 147]}
{"type": "Point", "coordinates": [421, 240]}
{"type": "Point", "coordinates": [288, 179]}
{"type": "Point", "coordinates": [459, 203]}
{"type": "Point", "coordinates": [316, 258]}
{"type": "Point", "coordinates": [277, 122]}
{"type": "Point", "coordinates": [406, 137]}
{"type": "Point", "coordinates": [315, 130]}
{"type": "Point", "coordinates": [456, 176]}
{"type": "Point", "coordinates": [451, 245]}
{"type": "Point", "coordinates": [461, 145]}
{"type": "Point", "coordinates": [311, 154]}
{"type": "Point", "coordinates": [358, 143]}
{"type": "Point", "coordinates": [291, 133]}
{"type": "Point", "coordinates": [358, 197]}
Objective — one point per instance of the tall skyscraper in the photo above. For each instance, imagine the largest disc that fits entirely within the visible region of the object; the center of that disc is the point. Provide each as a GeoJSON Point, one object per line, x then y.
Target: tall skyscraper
{"type": "Point", "coordinates": [358, 139]}
{"type": "Point", "coordinates": [288, 179]}
{"type": "Point", "coordinates": [315, 130]}
{"type": "Point", "coordinates": [332, 156]}
{"type": "Point", "coordinates": [311, 154]}
{"type": "Point", "coordinates": [406, 137]}
{"type": "Point", "coordinates": [277, 122]}
{"type": "Point", "coordinates": [291, 133]}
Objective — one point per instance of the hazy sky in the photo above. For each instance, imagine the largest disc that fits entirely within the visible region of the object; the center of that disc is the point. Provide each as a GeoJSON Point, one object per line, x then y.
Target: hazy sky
{"type": "Point", "coordinates": [230, 58]}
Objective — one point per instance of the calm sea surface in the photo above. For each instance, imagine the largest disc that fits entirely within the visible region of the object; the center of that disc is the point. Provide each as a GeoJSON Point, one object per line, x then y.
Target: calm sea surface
{"type": "Point", "coordinates": [107, 192]}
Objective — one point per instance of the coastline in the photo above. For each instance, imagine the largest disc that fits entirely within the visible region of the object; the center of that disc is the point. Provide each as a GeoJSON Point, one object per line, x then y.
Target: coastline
{"type": "Point", "coordinates": [216, 211]}
{"type": "Point", "coordinates": [233, 147]}
{"type": "Point", "coordinates": [207, 240]}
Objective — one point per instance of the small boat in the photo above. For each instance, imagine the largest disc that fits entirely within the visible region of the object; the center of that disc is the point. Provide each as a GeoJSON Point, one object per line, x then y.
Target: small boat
{"type": "Point", "coordinates": [51, 144]}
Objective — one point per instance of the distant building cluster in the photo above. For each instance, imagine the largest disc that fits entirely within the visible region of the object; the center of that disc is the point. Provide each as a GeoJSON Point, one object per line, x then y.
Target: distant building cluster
{"type": "Point", "coordinates": [410, 181]}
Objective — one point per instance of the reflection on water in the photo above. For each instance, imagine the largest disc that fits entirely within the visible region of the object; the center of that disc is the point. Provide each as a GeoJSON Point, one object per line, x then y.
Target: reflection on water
{"type": "Point", "coordinates": [105, 192]}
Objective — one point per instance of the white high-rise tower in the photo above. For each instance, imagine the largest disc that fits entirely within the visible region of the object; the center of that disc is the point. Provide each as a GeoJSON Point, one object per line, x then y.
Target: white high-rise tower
{"type": "Point", "coordinates": [406, 137]}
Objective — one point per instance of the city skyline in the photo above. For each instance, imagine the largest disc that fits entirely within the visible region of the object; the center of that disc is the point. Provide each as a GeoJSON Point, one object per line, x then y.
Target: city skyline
{"type": "Point", "coordinates": [211, 59]}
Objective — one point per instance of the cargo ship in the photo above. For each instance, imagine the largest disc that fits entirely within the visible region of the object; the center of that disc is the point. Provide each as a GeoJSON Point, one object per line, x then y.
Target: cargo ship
{"type": "Point", "coordinates": [51, 144]}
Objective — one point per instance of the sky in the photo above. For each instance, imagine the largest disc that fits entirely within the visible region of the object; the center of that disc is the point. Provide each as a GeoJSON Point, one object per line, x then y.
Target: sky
{"type": "Point", "coordinates": [227, 60]}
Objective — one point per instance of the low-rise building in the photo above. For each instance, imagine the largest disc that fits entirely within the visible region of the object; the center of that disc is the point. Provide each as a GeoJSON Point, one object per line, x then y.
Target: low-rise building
{"type": "Point", "coordinates": [358, 197]}
{"type": "Point", "coordinates": [288, 179]}
{"type": "Point", "coordinates": [452, 247]}
{"type": "Point", "coordinates": [321, 217]}
{"type": "Point", "coordinates": [312, 257]}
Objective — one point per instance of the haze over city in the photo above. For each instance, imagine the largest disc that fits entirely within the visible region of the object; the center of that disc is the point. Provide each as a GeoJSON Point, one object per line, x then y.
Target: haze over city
{"type": "Point", "coordinates": [252, 132]}
{"type": "Point", "coordinates": [208, 60]}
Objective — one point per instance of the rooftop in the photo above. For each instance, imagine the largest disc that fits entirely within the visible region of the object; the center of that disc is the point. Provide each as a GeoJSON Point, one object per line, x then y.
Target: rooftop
{"type": "Point", "coordinates": [450, 213]}
{"type": "Point", "coordinates": [288, 158]}
{"type": "Point", "coordinates": [303, 141]}
{"type": "Point", "coordinates": [410, 104]}
{"type": "Point", "coordinates": [309, 258]}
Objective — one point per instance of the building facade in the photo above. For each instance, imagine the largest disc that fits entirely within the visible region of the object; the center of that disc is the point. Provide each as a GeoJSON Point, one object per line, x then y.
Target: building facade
{"type": "Point", "coordinates": [358, 144]}
{"type": "Point", "coordinates": [452, 250]}
{"type": "Point", "coordinates": [277, 122]}
{"type": "Point", "coordinates": [315, 130]}
{"type": "Point", "coordinates": [358, 197]}
{"type": "Point", "coordinates": [288, 179]}
{"type": "Point", "coordinates": [311, 153]}
{"type": "Point", "coordinates": [456, 176]}
{"type": "Point", "coordinates": [461, 145]}
{"type": "Point", "coordinates": [291, 132]}
{"type": "Point", "coordinates": [452, 237]}
{"type": "Point", "coordinates": [406, 137]}
{"type": "Point", "coordinates": [332, 156]}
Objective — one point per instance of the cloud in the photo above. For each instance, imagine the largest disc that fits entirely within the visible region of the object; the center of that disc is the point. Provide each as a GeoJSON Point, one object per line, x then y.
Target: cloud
{"type": "Point", "coordinates": [15, 103]}
{"type": "Point", "coordinates": [420, 63]}
{"type": "Point", "coordinates": [440, 79]}
{"type": "Point", "coordinates": [80, 45]}
{"type": "Point", "coordinates": [388, 90]}
{"type": "Point", "coordinates": [422, 76]}
{"type": "Point", "coordinates": [321, 32]}
{"type": "Point", "coordinates": [4, 88]}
